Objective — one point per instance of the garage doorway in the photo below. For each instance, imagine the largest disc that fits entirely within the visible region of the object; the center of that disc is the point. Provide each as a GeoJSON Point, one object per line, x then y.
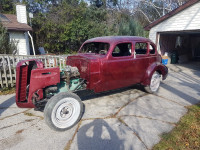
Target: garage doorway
{"type": "Point", "coordinates": [185, 44]}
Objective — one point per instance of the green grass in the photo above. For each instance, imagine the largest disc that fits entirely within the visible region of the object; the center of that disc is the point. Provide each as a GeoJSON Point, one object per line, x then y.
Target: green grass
{"type": "Point", "coordinates": [28, 114]}
{"type": "Point", "coordinates": [186, 134]}
{"type": "Point", "coordinates": [9, 90]}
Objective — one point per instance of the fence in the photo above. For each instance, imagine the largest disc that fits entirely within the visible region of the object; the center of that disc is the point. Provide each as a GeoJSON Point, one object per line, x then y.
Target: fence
{"type": "Point", "coordinates": [8, 66]}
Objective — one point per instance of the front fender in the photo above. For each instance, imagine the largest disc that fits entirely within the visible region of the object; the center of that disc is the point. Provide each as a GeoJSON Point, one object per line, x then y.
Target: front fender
{"type": "Point", "coordinates": [36, 79]}
{"type": "Point", "coordinates": [162, 69]}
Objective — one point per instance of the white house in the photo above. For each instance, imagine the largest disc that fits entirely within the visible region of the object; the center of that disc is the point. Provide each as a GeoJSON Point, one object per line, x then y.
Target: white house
{"type": "Point", "coordinates": [178, 31]}
{"type": "Point", "coordinates": [18, 29]}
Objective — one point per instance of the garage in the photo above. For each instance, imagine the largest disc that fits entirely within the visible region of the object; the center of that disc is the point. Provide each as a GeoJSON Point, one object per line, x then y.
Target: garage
{"type": "Point", "coordinates": [177, 34]}
{"type": "Point", "coordinates": [186, 45]}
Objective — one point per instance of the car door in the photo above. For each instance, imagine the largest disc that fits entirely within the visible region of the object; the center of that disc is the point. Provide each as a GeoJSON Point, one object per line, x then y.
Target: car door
{"type": "Point", "coordinates": [119, 68]}
{"type": "Point", "coordinates": [152, 53]}
{"type": "Point", "coordinates": [141, 60]}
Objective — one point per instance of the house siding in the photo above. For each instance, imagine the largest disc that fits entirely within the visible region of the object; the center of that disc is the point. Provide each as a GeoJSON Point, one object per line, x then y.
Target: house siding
{"type": "Point", "coordinates": [22, 41]}
{"type": "Point", "coordinates": [188, 19]}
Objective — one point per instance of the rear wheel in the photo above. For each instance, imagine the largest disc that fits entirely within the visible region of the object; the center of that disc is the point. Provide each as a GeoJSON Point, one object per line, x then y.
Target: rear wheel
{"type": "Point", "coordinates": [154, 83]}
{"type": "Point", "coordinates": [63, 111]}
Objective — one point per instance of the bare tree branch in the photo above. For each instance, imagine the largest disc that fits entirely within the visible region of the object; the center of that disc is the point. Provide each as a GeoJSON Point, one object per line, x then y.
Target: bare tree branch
{"type": "Point", "coordinates": [153, 7]}
{"type": "Point", "coordinates": [139, 10]}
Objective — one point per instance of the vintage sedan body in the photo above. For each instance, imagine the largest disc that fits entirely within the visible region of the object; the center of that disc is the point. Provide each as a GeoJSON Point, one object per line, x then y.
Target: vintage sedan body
{"type": "Point", "coordinates": [102, 64]}
{"type": "Point", "coordinates": [109, 63]}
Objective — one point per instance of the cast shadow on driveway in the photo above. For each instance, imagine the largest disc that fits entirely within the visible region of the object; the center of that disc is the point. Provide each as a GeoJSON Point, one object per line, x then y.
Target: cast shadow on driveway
{"type": "Point", "coordinates": [6, 104]}
{"type": "Point", "coordinates": [86, 95]}
{"type": "Point", "coordinates": [189, 77]}
{"type": "Point", "coordinates": [90, 137]}
{"type": "Point", "coordinates": [187, 89]}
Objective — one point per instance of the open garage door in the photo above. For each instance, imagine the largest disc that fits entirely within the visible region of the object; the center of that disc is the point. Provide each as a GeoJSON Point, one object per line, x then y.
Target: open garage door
{"type": "Point", "coordinates": [186, 44]}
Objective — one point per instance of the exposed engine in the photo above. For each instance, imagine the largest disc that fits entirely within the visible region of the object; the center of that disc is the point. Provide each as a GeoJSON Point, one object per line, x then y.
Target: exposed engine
{"type": "Point", "coordinates": [69, 81]}
{"type": "Point", "coordinates": [69, 72]}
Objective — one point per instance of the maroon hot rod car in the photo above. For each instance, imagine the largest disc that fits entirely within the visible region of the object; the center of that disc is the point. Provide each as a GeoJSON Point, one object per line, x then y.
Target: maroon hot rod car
{"type": "Point", "coordinates": [102, 64]}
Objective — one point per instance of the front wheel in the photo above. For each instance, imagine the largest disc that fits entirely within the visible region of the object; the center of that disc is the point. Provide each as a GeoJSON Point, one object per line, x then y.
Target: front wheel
{"type": "Point", "coordinates": [154, 83]}
{"type": "Point", "coordinates": [63, 111]}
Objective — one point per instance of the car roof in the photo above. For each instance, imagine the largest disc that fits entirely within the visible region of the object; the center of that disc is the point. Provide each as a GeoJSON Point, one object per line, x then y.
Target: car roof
{"type": "Point", "coordinates": [115, 39]}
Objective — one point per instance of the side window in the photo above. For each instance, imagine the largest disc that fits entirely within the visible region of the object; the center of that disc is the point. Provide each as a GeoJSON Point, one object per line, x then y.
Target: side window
{"type": "Point", "coordinates": [140, 48]}
{"type": "Point", "coordinates": [152, 49]}
{"type": "Point", "coordinates": [122, 49]}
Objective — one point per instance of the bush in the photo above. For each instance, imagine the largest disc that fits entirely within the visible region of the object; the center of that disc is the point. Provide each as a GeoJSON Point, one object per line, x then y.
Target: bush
{"type": "Point", "coordinates": [6, 46]}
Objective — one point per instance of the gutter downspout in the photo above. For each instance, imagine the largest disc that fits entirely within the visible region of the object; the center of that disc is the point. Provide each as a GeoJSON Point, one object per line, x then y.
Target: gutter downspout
{"type": "Point", "coordinates": [32, 42]}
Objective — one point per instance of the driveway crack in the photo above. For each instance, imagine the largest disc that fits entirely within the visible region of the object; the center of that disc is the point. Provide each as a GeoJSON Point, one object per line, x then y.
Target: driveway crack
{"type": "Point", "coordinates": [16, 124]}
{"type": "Point", "coordinates": [170, 100]}
{"type": "Point", "coordinates": [124, 123]}
{"type": "Point", "coordinates": [129, 103]}
{"type": "Point", "coordinates": [15, 114]}
{"type": "Point", "coordinates": [171, 123]}
{"type": "Point", "coordinates": [67, 147]}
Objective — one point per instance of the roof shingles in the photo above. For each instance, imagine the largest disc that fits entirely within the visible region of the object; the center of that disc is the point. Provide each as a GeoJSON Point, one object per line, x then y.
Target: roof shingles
{"type": "Point", "coordinates": [13, 24]}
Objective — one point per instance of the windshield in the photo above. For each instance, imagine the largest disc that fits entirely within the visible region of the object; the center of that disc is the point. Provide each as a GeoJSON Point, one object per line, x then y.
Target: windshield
{"type": "Point", "coordinates": [95, 47]}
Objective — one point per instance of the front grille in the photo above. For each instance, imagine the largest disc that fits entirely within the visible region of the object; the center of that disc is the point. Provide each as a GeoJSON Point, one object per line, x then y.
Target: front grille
{"type": "Point", "coordinates": [23, 83]}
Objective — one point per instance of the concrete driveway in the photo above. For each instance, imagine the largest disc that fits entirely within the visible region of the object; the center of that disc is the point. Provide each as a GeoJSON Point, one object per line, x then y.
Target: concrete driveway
{"type": "Point", "coordinates": [124, 119]}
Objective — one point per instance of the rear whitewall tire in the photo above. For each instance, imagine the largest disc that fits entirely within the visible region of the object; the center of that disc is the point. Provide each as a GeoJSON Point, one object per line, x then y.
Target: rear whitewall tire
{"type": "Point", "coordinates": [154, 83]}
{"type": "Point", "coordinates": [63, 111]}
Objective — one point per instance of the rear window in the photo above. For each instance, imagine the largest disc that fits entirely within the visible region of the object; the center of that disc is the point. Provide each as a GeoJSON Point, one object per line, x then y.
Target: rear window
{"type": "Point", "coordinates": [141, 48]}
